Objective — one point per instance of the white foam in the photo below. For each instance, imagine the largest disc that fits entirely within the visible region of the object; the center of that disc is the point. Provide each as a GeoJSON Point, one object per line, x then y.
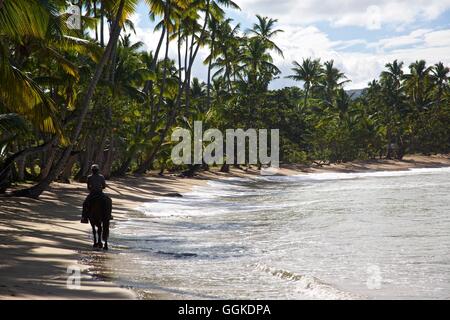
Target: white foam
{"type": "Point", "coordinates": [309, 285]}
{"type": "Point", "coordinates": [206, 200]}
{"type": "Point", "coordinates": [324, 176]}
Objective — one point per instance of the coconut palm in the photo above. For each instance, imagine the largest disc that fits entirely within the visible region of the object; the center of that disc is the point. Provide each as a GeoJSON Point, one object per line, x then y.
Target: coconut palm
{"type": "Point", "coordinates": [257, 64]}
{"type": "Point", "coordinates": [331, 80]}
{"type": "Point", "coordinates": [19, 93]}
{"type": "Point", "coordinates": [227, 52]}
{"type": "Point", "coordinates": [264, 30]}
{"type": "Point", "coordinates": [37, 190]}
{"type": "Point", "coordinates": [309, 71]}
{"type": "Point", "coordinates": [216, 17]}
{"type": "Point", "coordinates": [395, 72]}
{"type": "Point", "coordinates": [440, 78]}
{"type": "Point", "coordinates": [418, 83]}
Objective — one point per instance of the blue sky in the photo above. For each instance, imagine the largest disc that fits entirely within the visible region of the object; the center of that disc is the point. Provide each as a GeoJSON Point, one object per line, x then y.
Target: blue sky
{"type": "Point", "coordinates": [361, 36]}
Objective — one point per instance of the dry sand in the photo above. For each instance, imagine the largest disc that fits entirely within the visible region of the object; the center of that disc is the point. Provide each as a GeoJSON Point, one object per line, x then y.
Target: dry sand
{"type": "Point", "coordinates": [40, 239]}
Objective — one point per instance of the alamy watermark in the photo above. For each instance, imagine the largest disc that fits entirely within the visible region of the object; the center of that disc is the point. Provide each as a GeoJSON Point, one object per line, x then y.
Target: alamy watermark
{"type": "Point", "coordinates": [74, 279]}
{"type": "Point", "coordinates": [73, 22]}
{"type": "Point", "coordinates": [237, 150]}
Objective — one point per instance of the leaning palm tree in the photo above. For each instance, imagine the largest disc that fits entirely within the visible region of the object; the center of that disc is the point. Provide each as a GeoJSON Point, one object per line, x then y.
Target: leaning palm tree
{"type": "Point", "coordinates": [36, 191]}
{"type": "Point", "coordinates": [310, 72]}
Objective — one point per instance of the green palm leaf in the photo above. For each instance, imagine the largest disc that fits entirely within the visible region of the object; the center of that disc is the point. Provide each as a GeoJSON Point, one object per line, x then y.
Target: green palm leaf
{"type": "Point", "coordinates": [19, 18]}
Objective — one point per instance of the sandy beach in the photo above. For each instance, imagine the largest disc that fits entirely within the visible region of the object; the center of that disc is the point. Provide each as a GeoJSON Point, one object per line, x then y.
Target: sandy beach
{"type": "Point", "coordinates": [41, 238]}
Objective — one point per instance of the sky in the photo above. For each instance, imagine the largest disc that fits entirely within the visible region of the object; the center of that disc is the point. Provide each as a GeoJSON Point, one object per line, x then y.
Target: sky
{"type": "Point", "coordinates": [361, 36]}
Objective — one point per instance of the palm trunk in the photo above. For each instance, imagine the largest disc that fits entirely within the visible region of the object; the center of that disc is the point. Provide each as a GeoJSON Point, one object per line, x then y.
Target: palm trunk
{"type": "Point", "coordinates": [67, 172]}
{"type": "Point", "coordinates": [305, 103]}
{"type": "Point", "coordinates": [99, 154]}
{"type": "Point", "coordinates": [86, 160]}
{"type": "Point", "coordinates": [154, 115]}
{"type": "Point", "coordinates": [179, 63]}
{"type": "Point", "coordinates": [48, 164]}
{"type": "Point", "coordinates": [102, 24]}
{"type": "Point", "coordinates": [188, 76]}
{"type": "Point", "coordinates": [180, 81]}
{"type": "Point", "coordinates": [186, 55]}
{"type": "Point", "coordinates": [5, 170]}
{"type": "Point", "coordinates": [126, 164]}
{"type": "Point", "coordinates": [37, 190]}
{"type": "Point", "coordinates": [96, 23]}
{"type": "Point", "coordinates": [107, 166]}
{"type": "Point", "coordinates": [110, 153]}
{"type": "Point", "coordinates": [149, 84]}
{"type": "Point", "coordinates": [389, 144]}
{"type": "Point", "coordinates": [113, 62]}
{"type": "Point", "coordinates": [208, 89]}
{"type": "Point", "coordinates": [202, 35]}
{"type": "Point", "coordinates": [21, 168]}
{"type": "Point", "coordinates": [163, 85]}
{"type": "Point", "coordinates": [23, 153]}
{"type": "Point", "coordinates": [146, 163]}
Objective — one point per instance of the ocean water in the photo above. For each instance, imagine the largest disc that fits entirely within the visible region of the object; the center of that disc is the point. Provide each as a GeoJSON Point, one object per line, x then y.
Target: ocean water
{"type": "Point", "coordinates": [374, 235]}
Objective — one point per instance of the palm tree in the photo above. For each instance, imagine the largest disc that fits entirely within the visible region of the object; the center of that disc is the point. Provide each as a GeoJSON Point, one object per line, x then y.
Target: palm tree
{"type": "Point", "coordinates": [343, 103]}
{"type": "Point", "coordinates": [36, 191]}
{"type": "Point", "coordinates": [394, 72]}
{"type": "Point", "coordinates": [310, 72]}
{"type": "Point", "coordinates": [227, 52]}
{"type": "Point", "coordinates": [216, 17]}
{"type": "Point", "coordinates": [392, 91]}
{"type": "Point", "coordinates": [19, 93]}
{"type": "Point", "coordinates": [418, 84]}
{"type": "Point", "coordinates": [257, 65]}
{"type": "Point", "coordinates": [332, 80]}
{"type": "Point", "coordinates": [264, 30]}
{"type": "Point", "coordinates": [440, 77]}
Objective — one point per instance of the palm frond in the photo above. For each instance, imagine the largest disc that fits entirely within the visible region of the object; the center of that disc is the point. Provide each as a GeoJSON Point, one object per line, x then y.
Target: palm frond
{"type": "Point", "coordinates": [21, 18]}
{"type": "Point", "coordinates": [21, 95]}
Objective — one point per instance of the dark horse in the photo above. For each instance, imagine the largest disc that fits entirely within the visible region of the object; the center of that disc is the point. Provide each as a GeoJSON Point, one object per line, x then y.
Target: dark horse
{"type": "Point", "coordinates": [99, 212]}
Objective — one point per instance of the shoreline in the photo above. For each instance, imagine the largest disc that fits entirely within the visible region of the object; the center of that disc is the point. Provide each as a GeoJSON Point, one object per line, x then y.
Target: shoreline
{"type": "Point", "coordinates": [41, 238]}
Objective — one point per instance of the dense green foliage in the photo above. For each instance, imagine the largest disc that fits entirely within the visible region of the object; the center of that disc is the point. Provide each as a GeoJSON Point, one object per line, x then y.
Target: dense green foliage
{"type": "Point", "coordinates": [70, 98]}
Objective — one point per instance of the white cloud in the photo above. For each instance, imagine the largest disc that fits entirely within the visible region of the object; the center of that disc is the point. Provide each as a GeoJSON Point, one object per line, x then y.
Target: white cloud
{"type": "Point", "coordinates": [414, 38]}
{"type": "Point", "coordinates": [439, 38]}
{"type": "Point", "coordinates": [371, 14]}
{"type": "Point", "coordinates": [364, 65]}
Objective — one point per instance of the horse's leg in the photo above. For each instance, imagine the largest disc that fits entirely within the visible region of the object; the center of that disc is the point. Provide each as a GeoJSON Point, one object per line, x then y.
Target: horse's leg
{"type": "Point", "coordinates": [95, 235]}
{"type": "Point", "coordinates": [99, 231]}
{"type": "Point", "coordinates": [105, 234]}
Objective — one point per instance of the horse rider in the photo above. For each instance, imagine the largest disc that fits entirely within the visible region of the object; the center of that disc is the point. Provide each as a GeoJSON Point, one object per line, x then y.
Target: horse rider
{"type": "Point", "coordinates": [95, 184]}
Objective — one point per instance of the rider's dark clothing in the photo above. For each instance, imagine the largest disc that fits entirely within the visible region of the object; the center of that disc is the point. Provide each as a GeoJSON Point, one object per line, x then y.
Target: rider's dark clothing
{"type": "Point", "coordinates": [96, 183]}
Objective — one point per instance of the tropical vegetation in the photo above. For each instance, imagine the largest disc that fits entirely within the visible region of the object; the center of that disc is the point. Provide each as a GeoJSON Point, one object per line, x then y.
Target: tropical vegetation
{"type": "Point", "coordinates": [70, 98]}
